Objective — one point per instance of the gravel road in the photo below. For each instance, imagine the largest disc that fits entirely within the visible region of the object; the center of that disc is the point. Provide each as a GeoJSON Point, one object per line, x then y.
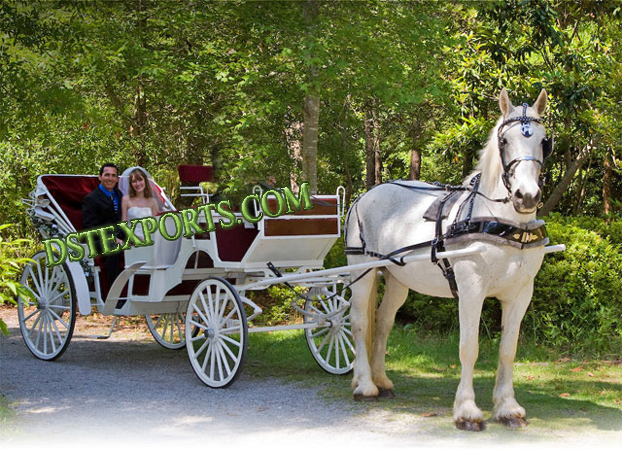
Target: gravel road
{"type": "Point", "coordinates": [130, 391]}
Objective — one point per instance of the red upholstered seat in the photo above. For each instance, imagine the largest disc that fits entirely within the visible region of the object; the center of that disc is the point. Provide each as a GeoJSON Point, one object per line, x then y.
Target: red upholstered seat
{"type": "Point", "coordinates": [69, 192]}
{"type": "Point", "coordinates": [189, 173]}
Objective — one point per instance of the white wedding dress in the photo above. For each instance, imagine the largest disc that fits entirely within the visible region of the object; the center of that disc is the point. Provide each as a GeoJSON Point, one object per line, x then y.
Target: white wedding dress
{"type": "Point", "coordinates": [162, 253]}
{"type": "Point", "coordinates": [138, 212]}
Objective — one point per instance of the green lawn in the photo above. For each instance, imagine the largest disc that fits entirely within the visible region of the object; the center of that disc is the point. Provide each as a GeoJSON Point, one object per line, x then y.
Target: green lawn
{"type": "Point", "coordinates": [561, 395]}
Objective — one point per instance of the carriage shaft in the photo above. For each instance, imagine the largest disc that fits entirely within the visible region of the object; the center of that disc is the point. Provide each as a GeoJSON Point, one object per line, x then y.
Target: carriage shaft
{"type": "Point", "coordinates": [363, 266]}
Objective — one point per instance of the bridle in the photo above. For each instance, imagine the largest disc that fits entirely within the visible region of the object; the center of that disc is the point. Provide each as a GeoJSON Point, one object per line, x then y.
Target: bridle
{"type": "Point", "coordinates": [547, 145]}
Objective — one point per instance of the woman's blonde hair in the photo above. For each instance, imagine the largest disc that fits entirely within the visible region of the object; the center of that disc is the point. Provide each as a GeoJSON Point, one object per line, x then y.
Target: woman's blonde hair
{"type": "Point", "coordinates": [139, 174]}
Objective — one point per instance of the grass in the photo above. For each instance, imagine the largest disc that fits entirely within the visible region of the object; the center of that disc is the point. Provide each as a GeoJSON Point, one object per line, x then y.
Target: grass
{"type": "Point", "coordinates": [562, 396]}
{"type": "Point", "coordinates": [7, 418]}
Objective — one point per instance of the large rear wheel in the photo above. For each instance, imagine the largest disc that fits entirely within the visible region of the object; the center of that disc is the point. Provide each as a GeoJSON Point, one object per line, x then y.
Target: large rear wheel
{"type": "Point", "coordinates": [47, 315]}
{"type": "Point", "coordinates": [216, 333]}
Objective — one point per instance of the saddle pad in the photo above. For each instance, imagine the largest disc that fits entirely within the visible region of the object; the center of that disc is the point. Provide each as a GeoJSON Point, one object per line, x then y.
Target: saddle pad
{"type": "Point", "coordinates": [450, 200]}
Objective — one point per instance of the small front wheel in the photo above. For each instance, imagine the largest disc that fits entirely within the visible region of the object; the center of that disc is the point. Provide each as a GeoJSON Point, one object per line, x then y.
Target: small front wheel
{"type": "Point", "coordinates": [216, 333]}
{"type": "Point", "coordinates": [47, 316]}
{"type": "Point", "coordinates": [331, 342]}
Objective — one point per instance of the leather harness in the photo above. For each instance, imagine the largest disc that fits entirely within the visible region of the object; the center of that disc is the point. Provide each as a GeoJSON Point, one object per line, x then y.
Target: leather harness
{"type": "Point", "coordinates": [499, 231]}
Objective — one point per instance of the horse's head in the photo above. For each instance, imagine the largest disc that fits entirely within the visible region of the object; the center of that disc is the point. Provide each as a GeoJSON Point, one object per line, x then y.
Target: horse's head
{"type": "Point", "coordinates": [523, 147]}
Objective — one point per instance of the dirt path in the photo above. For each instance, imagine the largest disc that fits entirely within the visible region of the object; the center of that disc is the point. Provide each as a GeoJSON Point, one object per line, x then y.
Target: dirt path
{"type": "Point", "coordinates": [128, 390]}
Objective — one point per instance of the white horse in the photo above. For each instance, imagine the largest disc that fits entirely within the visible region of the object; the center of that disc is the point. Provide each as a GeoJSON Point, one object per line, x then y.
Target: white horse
{"type": "Point", "coordinates": [390, 217]}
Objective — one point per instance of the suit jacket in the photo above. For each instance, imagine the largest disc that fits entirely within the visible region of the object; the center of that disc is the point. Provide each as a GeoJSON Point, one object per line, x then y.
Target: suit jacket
{"type": "Point", "coordinates": [98, 210]}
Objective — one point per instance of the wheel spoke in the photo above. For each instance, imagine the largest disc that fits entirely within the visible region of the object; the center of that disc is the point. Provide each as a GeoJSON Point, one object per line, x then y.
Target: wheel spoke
{"type": "Point", "coordinates": [31, 314]}
{"type": "Point", "coordinates": [34, 325]}
{"type": "Point", "coordinates": [321, 332]}
{"type": "Point", "coordinates": [208, 354]}
{"type": "Point", "coordinates": [344, 350]}
{"type": "Point", "coordinates": [59, 319]}
{"type": "Point", "coordinates": [319, 349]}
{"type": "Point", "coordinates": [346, 340]}
{"type": "Point", "coordinates": [60, 338]}
{"type": "Point", "coordinates": [231, 313]}
{"type": "Point", "coordinates": [202, 348]}
{"type": "Point", "coordinates": [212, 363]}
{"type": "Point", "coordinates": [196, 324]}
{"type": "Point", "coordinates": [200, 313]}
{"type": "Point", "coordinates": [219, 362]}
{"type": "Point", "coordinates": [34, 280]}
{"type": "Point", "coordinates": [223, 358]}
{"type": "Point", "coordinates": [232, 341]}
{"type": "Point", "coordinates": [157, 322]}
{"type": "Point", "coordinates": [209, 306]}
{"type": "Point", "coordinates": [330, 349]}
{"type": "Point", "coordinates": [228, 350]}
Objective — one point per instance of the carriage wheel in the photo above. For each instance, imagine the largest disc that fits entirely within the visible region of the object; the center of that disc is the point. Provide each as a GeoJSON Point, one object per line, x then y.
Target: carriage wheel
{"type": "Point", "coordinates": [48, 316]}
{"type": "Point", "coordinates": [216, 332]}
{"type": "Point", "coordinates": [168, 329]}
{"type": "Point", "coordinates": [331, 341]}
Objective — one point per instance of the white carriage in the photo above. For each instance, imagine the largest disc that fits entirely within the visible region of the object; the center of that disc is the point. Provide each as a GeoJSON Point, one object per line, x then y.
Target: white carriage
{"type": "Point", "coordinates": [192, 291]}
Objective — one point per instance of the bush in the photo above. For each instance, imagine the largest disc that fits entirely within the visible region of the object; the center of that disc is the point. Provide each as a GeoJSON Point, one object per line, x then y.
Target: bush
{"type": "Point", "coordinates": [10, 267]}
{"type": "Point", "coordinates": [577, 303]}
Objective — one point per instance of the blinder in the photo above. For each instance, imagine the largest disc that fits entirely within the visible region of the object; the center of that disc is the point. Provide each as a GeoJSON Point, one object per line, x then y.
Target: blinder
{"type": "Point", "coordinates": [547, 147]}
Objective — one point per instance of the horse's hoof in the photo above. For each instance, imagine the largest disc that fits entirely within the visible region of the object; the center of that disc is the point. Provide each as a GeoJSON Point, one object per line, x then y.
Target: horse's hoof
{"type": "Point", "coordinates": [365, 398]}
{"type": "Point", "coordinates": [385, 393]}
{"type": "Point", "coordinates": [513, 422]}
{"type": "Point", "coordinates": [470, 425]}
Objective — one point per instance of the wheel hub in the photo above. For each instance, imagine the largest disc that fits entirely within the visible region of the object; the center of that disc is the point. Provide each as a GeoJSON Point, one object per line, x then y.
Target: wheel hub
{"type": "Point", "coordinates": [209, 334]}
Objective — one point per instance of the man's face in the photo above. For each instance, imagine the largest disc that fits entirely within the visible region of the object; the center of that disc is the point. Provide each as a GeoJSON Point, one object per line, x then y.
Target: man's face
{"type": "Point", "coordinates": [109, 178]}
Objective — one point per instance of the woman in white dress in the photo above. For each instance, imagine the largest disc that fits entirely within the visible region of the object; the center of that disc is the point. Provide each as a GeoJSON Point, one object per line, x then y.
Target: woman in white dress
{"type": "Point", "coordinates": [140, 201]}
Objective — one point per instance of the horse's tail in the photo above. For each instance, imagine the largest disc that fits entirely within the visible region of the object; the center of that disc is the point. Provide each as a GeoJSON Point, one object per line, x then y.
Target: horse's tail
{"type": "Point", "coordinates": [353, 231]}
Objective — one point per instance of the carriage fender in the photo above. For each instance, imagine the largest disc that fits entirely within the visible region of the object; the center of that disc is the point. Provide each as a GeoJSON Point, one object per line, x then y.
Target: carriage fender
{"type": "Point", "coordinates": [81, 287]}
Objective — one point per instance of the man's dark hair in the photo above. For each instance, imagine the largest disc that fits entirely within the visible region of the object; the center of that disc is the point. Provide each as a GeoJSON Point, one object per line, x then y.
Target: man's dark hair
{"type": "Point", "coordinates": [101, 170]}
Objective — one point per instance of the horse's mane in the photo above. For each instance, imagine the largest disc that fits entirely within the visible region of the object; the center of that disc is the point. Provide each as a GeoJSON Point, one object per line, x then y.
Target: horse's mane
{"type": "Point", "coordinates": [489, 164]}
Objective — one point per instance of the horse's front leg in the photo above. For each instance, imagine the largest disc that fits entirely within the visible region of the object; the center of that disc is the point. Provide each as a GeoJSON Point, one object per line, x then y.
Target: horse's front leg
{"type": "Point", "coordinates": [394, 296]}
{"type": "Point", "coordinates": [506, 410]}
{"type": "Point", "coordinates": [467, 416]}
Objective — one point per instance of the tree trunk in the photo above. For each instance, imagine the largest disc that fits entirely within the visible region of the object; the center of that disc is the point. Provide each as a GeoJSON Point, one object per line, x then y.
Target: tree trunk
{"type": "Point", "coordinates": [292, 136]}
{"type": "Point", "coordinates": [140, 123]}
{"type": "Point", "coordinates": [373, 162]}
{"type": "Point", "coordinates": [377, 157]}
{"type": "Point", "coordinates": [370, 155]}
{"type": "Point", "coordinates": [415, 164]}
{"type": "Point", "coordinates": [562, 185]}
{"type": "Point", "coordinates": [607, 183]}
{"type": "Point", "coordinates": [311, 108]}
{"type": "Point", "coordinates": [310, 135]}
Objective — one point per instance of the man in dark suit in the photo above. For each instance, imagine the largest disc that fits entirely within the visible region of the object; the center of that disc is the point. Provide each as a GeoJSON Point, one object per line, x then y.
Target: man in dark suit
{"type": "Point", "coordinates": [102, 207]}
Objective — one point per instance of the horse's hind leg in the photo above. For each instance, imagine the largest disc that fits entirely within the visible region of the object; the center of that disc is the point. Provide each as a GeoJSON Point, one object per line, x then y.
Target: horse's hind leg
{"type": "Point", "coordinates": [363, 298]}
{"type": "Point", "coordinates": [394, 296]}
{"type": "Point", "coordinates": [506, 410]}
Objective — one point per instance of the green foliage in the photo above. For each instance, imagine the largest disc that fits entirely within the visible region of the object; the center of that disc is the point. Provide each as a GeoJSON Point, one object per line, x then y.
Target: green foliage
{"type": "Point", "coordinates": [576, 306]}
{"type": "Point", "coordinates": [11, 265]}
{"type": "Point", "coordinates": [576, 303]}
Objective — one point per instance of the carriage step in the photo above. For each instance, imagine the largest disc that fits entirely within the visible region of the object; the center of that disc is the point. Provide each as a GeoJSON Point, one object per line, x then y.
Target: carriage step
{"type": "Point", "coordinates": [114, 295]}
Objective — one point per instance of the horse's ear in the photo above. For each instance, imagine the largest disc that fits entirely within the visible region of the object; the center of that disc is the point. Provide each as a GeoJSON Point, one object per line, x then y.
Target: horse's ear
{"type": "Point", "coordinates": [504, 102]}
{"type": "Point", "coordinates": [540, 104]}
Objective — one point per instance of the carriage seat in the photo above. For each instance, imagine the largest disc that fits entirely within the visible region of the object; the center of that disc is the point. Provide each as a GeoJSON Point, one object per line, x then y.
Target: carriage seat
{"type": "Point", "coordinates": [69, 192]}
